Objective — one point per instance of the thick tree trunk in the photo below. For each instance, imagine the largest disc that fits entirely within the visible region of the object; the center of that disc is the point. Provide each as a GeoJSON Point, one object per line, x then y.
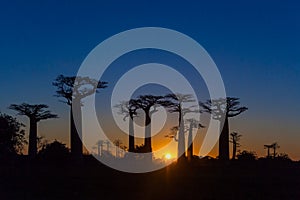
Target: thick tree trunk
{"type": "Point", "coordinates": [131, 135]}
{"type": "Point", "coordinates": [233, 151]}
{"type": "Point", "coordinates": [190, 143]}
{"type": "Point", "coordinates": [148, 145]}
{"type": "Point", "coordinates": [181, 139]}
{"type": "Point", "coordinates": [32, 146]}
{"type": "Point", "coordinates": [224, 141]}
{"type": "Point", "coordinates": [76, 131]}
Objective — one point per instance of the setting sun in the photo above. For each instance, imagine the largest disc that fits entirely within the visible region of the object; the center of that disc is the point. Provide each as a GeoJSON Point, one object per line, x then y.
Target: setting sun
{"type": "Point", "coordinates": [168, 156]}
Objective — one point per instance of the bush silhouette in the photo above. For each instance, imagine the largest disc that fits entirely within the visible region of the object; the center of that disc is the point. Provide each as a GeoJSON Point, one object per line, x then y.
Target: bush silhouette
{"type": "Point", "coordinates": [55, 150]}
{"type": "Point", "coordinates": [12, 137]}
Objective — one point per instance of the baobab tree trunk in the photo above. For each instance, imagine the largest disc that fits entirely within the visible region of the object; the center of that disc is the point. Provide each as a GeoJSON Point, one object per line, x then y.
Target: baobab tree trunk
{"type": "Point", "coordinates": [98, 149]}
{"type": "Point", "coordinates": [224, 141]}
{"type": "Point", "coordinates": [233, 150]}
{"type": "Point", "coordinates": [76, 131]}
{"type": "Point", "coordinates": [190, 143]}
{"type": "Point", "coordinates": [148, 145]}
{"type": "Point", "coordinates": [131, 135]}
{"type": "Point", "coordinates": [181, 139]}
{"type": "Point", "coordinates": [32, 146]}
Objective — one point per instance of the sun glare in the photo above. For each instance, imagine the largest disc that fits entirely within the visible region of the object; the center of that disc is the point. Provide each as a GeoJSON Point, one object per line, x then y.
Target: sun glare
{"type": "Point", "coordinates": [168, 156]}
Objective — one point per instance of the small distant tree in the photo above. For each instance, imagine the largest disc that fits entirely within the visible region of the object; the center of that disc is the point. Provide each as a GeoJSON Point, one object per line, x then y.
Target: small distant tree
{"type": "Point", "coordinates": [247, 155]}
{"type": "Point", "coordinates": [275, 146]}
{"type": "Point", "coordinates": [117, 143]}
{"type": "Point", "coordinates": [268, 147]}
{"type": "Point", "coordinates": [234, 139]}
{"type": "Point", "coordinates": [100, 144]}
{"type": "Point", "coordinates": [35, 113]}
{"type": "Point", "coordinates": [12, 136]}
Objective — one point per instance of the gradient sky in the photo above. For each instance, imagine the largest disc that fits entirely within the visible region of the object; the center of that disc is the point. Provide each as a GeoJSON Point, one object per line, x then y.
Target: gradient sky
{"type": "Point", "coordinates": [255, 44]}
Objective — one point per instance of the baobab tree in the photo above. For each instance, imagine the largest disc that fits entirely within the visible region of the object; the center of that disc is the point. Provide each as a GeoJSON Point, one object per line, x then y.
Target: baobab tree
{"type": "Point", "coordinates": [108, 144]}
{"type": "Point", "coordinates": [145, 103]}
{"type": "Point", "coordinates": [176, 106]}
{"type": "Point", "coordinates": [117, 143]}
{"type": "Point", "coordinates": [234, 139]}
{"type": "Point", "coordinates": [74, 89]}
{"type": "Point", "coordinates": [100, 144]}
{"type": "Point", "coordinates": [268, 147]}
{"type": "Point", "coordinates": [128, 109]}
{"type": "Point", "coordinates": [193, 124]}
{"type": "Point", "coordinates": [35, 113]}
{"type": "Point", "coordinates": [222, 109]}
{"type": "Point", "coordinates": [275, 146]}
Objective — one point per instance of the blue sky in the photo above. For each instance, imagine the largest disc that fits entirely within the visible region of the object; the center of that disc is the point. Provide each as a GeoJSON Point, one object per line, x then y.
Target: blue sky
{"type": "Point", "coordinates": [255, 44]}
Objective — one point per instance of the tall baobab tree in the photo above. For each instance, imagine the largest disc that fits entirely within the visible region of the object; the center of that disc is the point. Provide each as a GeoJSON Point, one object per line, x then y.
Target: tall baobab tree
{"type": "Point", "coordinates": [234, 139]}
{"type": "Point", "coordinates": [73, 89]}
{"type": "Point", "coordinates": [129, 111]}
{"type": "Point", "coordinates": [222, 109]}
{"type": "Point", "coordinates": [193, 124]}
{"type": "Point", "coordinates": [145, 103]}
{"type": "Point", "coordinates": [35, 113]}
{"type": "Point", "coordinates": [177, 106]}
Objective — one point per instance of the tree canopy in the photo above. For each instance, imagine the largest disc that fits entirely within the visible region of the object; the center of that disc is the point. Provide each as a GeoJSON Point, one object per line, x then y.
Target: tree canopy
{"type": "Point", "coordinates": [12, 136]}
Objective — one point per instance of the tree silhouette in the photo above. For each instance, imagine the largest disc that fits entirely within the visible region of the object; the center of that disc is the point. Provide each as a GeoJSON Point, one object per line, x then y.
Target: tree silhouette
{"type": "Point", "coordinates": [108, 145]}
{"type": "Point", "coordinates": [100, 144]}
{"type": "Point", "coordinates": [268, 147]}
{"type": "Point", "coordinates": [234, 139]}
{"type": "Point", "coordinates": [247, 155]}
{"type": "Point", "coordinates": [145, 103]}
{"type": "Point", "coordinates": [283, 157]}
{"type": "Point", "coordinates": [176, 105]}
{"type": "Point", "coordinates": [222, 109]}
{"type": "Point", "coordinates": [55, 150]}
{"type": "Point", "coordinates": [74, 89]}
{"type": "Point", "coordinates": [35, 113]}
{"type": "Point", "coordinates": [12, 136]}
{"type": "Point", "coordinates": [129, 111]}
{"type": "Point", "coordinates": [275, 146]}
{"type": "Point", "coordinates": [117, 143]}
{"type": "Point", "coordinates": [193, 124]}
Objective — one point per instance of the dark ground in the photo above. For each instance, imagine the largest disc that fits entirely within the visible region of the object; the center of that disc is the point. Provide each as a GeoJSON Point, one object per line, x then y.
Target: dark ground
{"type": "Point", "coordinates": [207, 179]}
